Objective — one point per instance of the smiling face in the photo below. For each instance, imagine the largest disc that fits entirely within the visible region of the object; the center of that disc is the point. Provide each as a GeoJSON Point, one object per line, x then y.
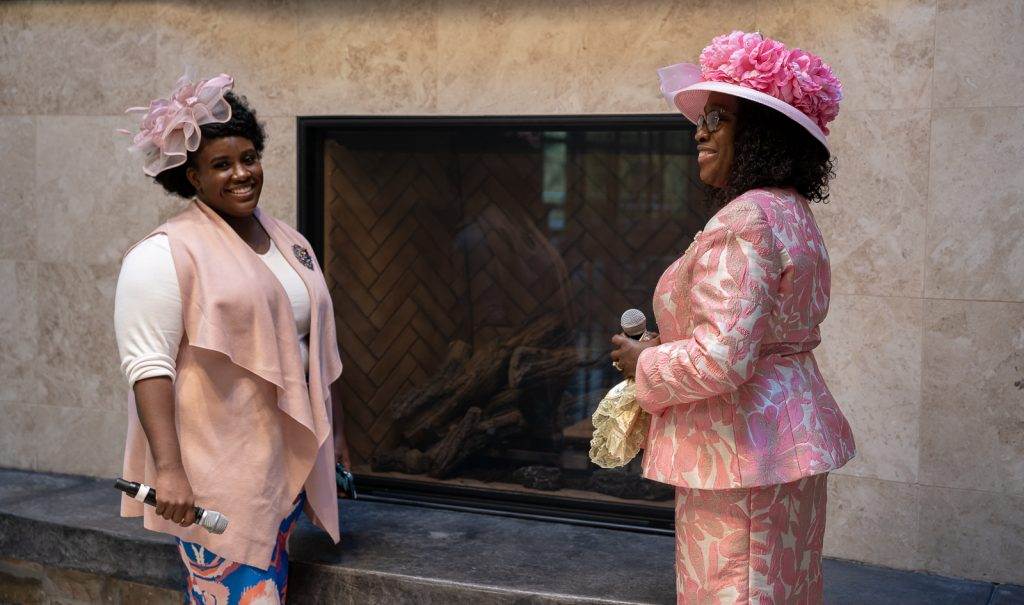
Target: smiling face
{"type": "Point", "coordinates": [715, 150]}
{"type": "Point", "coordinates": [227, 175]}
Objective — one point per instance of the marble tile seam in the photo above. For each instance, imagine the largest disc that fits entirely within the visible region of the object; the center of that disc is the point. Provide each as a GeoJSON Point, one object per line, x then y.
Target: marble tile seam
{"type": "Point", "coordinates": [928, 485]}
{"type": "Point", "coordinates": [924, 243]}
{"type": "Point", "coordinates": [931, 108]}
{"type": "Point", "coordinates": [280, 114]}
{"type": "Point", "coordinates": [936, 108]}
{"type": "Point", "coordinates": [839, 292]}
{"type": "Point", "coordinates": [80, 408]}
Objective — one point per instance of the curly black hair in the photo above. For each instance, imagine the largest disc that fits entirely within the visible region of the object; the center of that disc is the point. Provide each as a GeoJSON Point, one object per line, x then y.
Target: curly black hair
{"type": "Point", "coordinates": [242, 124]}
{"type": "Point", "coordinates": [771, 150]}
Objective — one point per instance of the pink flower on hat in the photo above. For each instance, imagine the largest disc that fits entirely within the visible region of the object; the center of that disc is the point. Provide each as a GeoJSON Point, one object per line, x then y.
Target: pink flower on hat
{"type": "Point", "coordinates": [794, 76]}
{"type": "Point", "coordinates": [169, 128]}
{"type": "Point", "coordinates": [816, 90]}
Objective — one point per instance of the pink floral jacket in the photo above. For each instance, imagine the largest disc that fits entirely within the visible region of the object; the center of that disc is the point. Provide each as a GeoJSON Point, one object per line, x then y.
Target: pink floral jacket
{"type": "Point", "coordinates": [736, 397]}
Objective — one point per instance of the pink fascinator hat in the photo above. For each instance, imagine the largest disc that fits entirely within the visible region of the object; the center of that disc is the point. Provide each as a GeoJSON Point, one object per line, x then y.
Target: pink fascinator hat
{"type": "Point", "coordinates": [169, 128]}
{"type": "Point", "coordinates": [792, 81]}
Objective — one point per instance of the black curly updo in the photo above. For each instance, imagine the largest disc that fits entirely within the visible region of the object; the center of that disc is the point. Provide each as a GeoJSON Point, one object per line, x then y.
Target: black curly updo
{"type": "Point", "coordinates": [771, 150]}
{"type": "Point", "coordinates": [242, 124]}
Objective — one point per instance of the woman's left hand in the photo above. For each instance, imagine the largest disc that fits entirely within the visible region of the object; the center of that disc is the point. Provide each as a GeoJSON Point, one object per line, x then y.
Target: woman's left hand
{"type": "Point", "coordinates": [627, 351]}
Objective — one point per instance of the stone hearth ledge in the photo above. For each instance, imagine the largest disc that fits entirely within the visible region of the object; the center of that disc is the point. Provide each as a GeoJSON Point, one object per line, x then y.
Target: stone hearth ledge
{"type": "Point", "coordinates": [394, 553]}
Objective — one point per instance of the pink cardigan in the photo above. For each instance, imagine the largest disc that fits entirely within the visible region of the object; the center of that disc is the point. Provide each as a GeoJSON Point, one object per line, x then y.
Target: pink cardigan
{"type": "Point", "coordinates": [736, 396]}
{"type": "Point", "coordinates": [253, 431]}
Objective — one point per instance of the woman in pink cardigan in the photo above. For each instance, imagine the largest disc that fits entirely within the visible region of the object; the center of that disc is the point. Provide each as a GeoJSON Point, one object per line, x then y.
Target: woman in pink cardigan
{"type": "Point", "coordinates": [742, 421]}
{"type": "Point", "coordinates": [226, 332]}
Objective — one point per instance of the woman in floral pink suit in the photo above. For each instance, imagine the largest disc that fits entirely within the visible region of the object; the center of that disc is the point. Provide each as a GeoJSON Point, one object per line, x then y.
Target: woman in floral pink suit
{"type": "Point", "coordinates": [742, 421]}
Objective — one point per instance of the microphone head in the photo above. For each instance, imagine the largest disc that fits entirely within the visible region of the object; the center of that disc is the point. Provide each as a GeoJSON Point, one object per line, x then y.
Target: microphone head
{"type": "Point", "coordinates": [214, 522]}
{"type": "Point", "coordinates": [634, 323]}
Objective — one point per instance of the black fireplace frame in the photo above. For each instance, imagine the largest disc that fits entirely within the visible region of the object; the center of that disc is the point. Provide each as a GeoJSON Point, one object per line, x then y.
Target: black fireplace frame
{"type": "Point", "coordinates": [312, 133]}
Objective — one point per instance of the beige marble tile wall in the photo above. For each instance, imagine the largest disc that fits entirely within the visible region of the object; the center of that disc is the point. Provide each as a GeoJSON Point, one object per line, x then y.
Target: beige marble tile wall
{"type": "Point", "coordinates": [925, 342]}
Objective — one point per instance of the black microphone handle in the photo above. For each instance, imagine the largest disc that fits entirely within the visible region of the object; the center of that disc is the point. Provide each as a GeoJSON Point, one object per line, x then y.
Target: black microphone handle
{"type": "Point", "coordinates": [132, 489]}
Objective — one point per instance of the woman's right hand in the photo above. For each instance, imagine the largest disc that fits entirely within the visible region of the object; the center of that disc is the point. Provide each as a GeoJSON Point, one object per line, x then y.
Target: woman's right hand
{"type": "Point", "coordinates": [627, 352]}
{"type": "Point", "coordinates": [174, 499]}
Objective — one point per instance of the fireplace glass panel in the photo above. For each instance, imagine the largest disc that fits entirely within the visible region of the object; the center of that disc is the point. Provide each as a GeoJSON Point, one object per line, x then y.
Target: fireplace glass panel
{"type": "Point", "coordinates": [478, 274]}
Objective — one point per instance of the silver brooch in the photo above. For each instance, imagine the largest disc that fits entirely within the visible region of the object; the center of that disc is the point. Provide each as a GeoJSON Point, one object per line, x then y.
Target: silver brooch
{"type": "Point", "coordinates": [303, 255]}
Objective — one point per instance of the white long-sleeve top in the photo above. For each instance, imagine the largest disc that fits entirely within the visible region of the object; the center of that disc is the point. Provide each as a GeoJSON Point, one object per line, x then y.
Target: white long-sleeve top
{"type": "Point", "coordinates": [147, 308]}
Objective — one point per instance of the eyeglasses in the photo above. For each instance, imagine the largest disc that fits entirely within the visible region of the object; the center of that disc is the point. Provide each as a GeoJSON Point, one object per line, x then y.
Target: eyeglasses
{"type": "Point", "coordinates": [711, 120]}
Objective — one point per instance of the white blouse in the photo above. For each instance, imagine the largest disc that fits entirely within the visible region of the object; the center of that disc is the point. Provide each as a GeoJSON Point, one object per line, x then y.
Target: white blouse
{"type": "Point", "coordinates": [147, 308]}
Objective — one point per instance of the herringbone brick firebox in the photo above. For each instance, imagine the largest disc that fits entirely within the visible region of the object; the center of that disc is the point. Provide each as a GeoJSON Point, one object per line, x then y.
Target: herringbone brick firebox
{"type": "Point", "coordinates": [478, 269]}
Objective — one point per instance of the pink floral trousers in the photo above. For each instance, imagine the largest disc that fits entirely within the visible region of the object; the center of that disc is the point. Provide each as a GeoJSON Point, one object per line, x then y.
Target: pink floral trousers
{"type": "Point", "coordinates": [753, 545]}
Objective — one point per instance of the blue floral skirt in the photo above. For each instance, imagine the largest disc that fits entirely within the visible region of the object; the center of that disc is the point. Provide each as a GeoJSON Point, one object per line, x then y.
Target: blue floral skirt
{"type": "Point", "coordinates": [215, 580]}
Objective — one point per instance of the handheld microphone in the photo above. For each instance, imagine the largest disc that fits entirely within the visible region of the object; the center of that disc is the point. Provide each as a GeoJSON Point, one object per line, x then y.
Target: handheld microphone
{"type": "Point", "coordinates": [634, 324]}
{"type": "Point", "coordinates": [210, 520]}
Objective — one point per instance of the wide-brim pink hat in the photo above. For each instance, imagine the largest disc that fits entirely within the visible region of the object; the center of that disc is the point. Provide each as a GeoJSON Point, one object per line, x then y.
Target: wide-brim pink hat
{"type": "Point", "coordinates": [795, 83]}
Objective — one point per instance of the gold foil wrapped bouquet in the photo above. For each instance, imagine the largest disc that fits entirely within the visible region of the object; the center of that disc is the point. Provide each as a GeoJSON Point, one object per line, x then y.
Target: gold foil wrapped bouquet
{"type": "Point", "coordinates": [620, 427]}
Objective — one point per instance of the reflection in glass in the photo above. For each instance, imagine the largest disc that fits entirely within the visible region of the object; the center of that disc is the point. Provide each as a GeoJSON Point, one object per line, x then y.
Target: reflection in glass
{"type": "Point", "coordinates": [477, 276]}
